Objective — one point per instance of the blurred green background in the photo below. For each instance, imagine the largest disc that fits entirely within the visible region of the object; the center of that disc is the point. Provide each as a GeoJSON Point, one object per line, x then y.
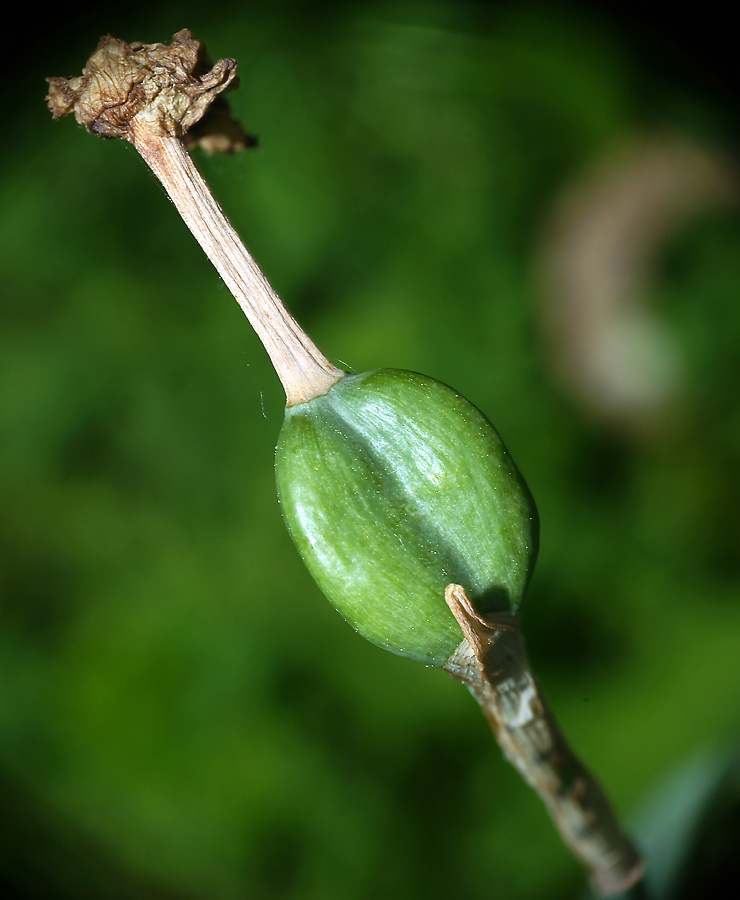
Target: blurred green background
{"type": "Point", "coordinates": [532, 203]}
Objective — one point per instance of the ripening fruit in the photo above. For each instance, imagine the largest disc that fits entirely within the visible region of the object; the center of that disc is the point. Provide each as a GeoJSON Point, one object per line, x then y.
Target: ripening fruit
{"type": "Point", "coordinates": [393, 486]}
{"type": "Point", "coordinates": [398, 493]}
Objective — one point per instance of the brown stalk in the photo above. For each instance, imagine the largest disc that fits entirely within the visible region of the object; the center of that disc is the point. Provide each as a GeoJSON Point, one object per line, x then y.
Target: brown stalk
{"type": "Point", "coordinates": [492, 663]}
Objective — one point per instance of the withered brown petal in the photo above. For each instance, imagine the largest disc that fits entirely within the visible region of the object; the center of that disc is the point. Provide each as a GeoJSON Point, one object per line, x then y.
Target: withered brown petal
{"type": "Point", "coordinates": [167, 86]}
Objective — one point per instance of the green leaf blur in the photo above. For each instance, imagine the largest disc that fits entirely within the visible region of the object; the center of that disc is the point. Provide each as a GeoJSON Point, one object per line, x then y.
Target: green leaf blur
{"type": "Point", "coordinates": [182, 714]}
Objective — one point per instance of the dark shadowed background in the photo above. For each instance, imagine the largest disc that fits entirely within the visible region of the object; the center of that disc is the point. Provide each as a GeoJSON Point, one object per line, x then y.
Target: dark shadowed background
{"type": "Point", "coordinates": [534, 203]}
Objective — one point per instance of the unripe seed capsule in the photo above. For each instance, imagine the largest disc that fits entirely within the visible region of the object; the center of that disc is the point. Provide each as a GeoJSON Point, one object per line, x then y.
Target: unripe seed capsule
{"type": "Point", "coordinates": [398, 492]}
{"type": "Point", "coordinates": [393, 486]}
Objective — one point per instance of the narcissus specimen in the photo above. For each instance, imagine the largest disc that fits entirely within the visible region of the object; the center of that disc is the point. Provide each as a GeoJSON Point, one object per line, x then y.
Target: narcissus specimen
{"type": "Point", "coordinates": [398, 493]}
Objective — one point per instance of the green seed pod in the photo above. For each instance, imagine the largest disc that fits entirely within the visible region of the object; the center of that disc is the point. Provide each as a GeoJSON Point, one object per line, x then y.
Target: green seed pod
{"type": "Point", "coordinates": [393, 486]}
{"type": "Point", "coordinates": [399, 494]}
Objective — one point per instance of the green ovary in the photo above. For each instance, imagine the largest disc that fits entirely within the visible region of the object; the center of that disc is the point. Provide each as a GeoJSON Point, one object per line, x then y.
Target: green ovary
{"type": "Point", "coordinates": [394, 486]}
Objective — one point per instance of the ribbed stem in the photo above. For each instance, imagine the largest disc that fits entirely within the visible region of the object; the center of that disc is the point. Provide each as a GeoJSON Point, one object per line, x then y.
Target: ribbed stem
{"type": "Point", "coordinates": [492, 663]}
{"type": "Point", "coordinates": [302, 368]}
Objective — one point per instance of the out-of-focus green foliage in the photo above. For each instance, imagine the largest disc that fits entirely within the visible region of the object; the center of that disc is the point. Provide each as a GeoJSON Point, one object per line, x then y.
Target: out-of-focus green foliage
{"type": "Point", "coordinates": [179, 707]}
{"type": "Point", "coordinates": [689, 829]}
